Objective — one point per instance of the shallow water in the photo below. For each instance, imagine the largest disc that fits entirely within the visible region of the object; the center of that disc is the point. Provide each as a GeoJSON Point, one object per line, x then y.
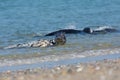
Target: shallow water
{"type": "Point", "coordinates": [52, 64]}
{"type": "Point", "coordinates": [22, 20]}
{"type": "Point", "coordinates": [23, 62]}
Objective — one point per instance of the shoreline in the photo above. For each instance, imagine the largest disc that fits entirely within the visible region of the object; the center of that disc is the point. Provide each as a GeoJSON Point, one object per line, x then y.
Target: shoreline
{"type": "Point", "coordinates": [93, 65]}
{"type": "Point", "coordinates": [100, 70]}
{"type": "Point", "coordinates": [32, 64]}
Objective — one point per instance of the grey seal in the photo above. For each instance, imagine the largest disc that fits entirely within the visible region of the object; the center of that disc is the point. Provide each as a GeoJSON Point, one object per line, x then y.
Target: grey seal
{"type": "Point", "coordinates": [87, 30]}
{"type": "Point", "coordinates": [60, 39]}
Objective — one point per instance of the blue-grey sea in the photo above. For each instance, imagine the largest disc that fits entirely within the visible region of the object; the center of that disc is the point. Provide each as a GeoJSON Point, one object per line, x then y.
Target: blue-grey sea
{"type": "Point", "coordinates": [23, 21]}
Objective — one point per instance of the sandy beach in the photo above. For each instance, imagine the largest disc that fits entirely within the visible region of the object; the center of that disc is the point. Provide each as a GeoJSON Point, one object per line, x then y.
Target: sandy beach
{"type": "Point", "coordinates": [99, 70]}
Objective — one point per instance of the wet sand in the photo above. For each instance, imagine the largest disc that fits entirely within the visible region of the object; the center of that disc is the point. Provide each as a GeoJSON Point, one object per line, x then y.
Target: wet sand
{"type": "Point", "coordinates": [97, 70]}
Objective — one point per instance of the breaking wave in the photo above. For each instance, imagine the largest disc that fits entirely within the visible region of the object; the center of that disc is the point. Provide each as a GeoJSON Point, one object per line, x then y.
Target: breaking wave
{"type": "Point", "coordinates": [104, 27]}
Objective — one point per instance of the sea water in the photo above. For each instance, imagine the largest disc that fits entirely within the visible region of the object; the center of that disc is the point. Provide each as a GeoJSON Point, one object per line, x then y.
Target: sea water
{"type": "Point", "coordinates": [23, 21]}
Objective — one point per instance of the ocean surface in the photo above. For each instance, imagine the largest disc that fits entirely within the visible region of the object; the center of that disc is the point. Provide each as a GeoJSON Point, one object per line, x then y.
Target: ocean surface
{"type": "Point", "coordinates": [23, 21]}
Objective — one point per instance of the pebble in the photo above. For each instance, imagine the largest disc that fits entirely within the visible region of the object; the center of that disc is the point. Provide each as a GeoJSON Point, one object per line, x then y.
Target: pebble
{"type": "Point", "coordinates": [69, 71]}
{"type": "Point", "coordinates": [8, 72]}
{"type": "Point", "coordinates": [110, 72]}
{"type": "Point", "coordinates": [79, 68]}
{"type": "Point", "coordinates": [102, 78]}
{"type": "Point", "coordinates": [97, 68]}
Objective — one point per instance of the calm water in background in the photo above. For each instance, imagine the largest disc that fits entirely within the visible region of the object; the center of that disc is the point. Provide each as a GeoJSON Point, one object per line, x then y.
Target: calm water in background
{"type": "Point", "coordinates": [22, 20]}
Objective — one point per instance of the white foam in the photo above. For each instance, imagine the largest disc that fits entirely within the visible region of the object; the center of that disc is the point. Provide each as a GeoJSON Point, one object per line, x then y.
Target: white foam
{"type": "Point", "coordinates": [48, 58]}
{"type": "Point", "coordinates": [11, 62]}
{"type": "Point", "coordinates": [103, 27]}
{"type": "Point", "coordinates": [70, 26]}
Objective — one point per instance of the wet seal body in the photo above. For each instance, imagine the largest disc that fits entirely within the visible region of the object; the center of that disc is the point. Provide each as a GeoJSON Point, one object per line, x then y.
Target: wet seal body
{"type": "Point", "coordinates": [99, 30]}
{"type": "Point", "coordinates": [87, 30]}
{"type": "Point", "coordinates": [60, 39]}
{"type": "Point", "coordinates": [66, 31]}
{"type": "Point", "coordinates": [39, 43]}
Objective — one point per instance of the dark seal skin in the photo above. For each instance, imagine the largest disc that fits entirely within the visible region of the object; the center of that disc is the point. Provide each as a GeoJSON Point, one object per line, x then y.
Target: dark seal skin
{"type": "Point", "coordinates": [66, 31]}
{"type": "Point", "coordinates": [87, 30]}
{"type": "Point", "coordinates": [99, 31]}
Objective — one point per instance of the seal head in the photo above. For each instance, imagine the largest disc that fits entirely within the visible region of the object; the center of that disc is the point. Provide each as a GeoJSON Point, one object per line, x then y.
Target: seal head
{"type": "Point", "coordinates": [88, 30]}
{"type": "Point", "coordinates": [60, 39]}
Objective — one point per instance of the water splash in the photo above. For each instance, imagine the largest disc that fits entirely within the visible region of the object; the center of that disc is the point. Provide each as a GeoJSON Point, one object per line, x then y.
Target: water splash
{"type": "Point", "coordinates": [70, 26]}
{"type": "Point", "coordinates": [104, 27]}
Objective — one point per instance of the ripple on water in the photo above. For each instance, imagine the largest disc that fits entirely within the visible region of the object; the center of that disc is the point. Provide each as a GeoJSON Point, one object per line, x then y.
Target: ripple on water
{"type": "Point", "coordinates": [31, 59]}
